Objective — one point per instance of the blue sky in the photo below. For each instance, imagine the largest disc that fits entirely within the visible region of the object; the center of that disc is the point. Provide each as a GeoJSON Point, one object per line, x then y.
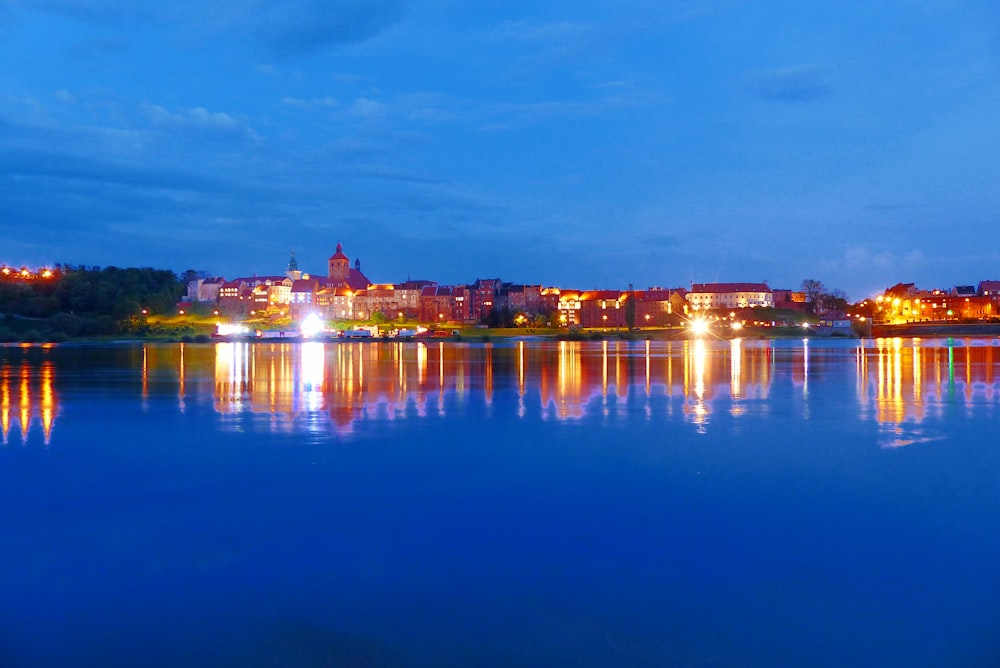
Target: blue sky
{"type": "Point", "coordinates": [584, 144]}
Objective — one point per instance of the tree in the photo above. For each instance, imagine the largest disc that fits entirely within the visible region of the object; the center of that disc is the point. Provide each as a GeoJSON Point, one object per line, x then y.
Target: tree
{"type": "Point", "coordinates": [630, 308]}
{"type": "Point", "coordinates": [813, 289]}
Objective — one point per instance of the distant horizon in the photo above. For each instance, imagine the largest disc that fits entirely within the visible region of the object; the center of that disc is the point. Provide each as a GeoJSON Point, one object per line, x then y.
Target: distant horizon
{"type": "Point", "coordinates": [796, 287]}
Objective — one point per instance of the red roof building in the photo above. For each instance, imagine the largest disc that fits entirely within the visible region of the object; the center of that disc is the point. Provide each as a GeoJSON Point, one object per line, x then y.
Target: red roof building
{"type": "Point", "coordinates": [340, 274]}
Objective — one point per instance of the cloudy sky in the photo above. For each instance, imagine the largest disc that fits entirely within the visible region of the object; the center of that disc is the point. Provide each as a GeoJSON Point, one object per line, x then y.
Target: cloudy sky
{"type": "Point", "coordinates": [586, 144]}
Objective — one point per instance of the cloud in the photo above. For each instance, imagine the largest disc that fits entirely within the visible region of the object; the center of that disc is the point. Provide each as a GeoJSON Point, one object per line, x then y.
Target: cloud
{"type": "Point", "coordinates": [802, 84]}
{"type": "Point", "coordinates": [198, 118]}
{"type": "Point", "coordinates": [529, 31]}
{"type": "Point", "coordinates": [291, 28]}
{"type": "Point", "coordinates": [64, 166]}
{"type": "Point", "coordinates": [325, 101]}
{"type": "Point", "coordinates": [306, 26]}
{"type": "Point", "coordinates": [368, 109]}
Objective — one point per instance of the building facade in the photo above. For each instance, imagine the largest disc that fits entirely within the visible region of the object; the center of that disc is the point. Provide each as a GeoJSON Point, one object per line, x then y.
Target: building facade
{"type": "Point", "coordinates": [709, 296]}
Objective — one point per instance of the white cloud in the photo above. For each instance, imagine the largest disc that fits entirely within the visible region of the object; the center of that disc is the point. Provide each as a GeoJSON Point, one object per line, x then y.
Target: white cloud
{"type": "Point", "coordinates": [197, 118]}
{"type": "Point", "coordinates": [367, 108]}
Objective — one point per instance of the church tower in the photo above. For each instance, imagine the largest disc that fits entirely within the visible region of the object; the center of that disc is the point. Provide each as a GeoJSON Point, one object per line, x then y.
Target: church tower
{"type": "Point", "coordinates": [293, 269]}
{"type": "Point", "coordinates": [339, 267]}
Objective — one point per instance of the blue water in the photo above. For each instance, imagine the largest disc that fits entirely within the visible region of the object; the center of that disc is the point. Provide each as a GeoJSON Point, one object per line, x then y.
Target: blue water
{"type": "Point", "coordinates": [793, 503]}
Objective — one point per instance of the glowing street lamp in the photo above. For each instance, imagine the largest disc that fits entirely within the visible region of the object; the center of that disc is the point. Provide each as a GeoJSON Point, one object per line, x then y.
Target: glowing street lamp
{"type": "Point", "coordinates": [311, 326]}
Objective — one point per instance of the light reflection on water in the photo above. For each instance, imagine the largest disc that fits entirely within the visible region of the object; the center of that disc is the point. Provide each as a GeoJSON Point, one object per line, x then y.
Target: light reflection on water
{"type": "Point", "coordinates": [318, 386]}
{"type": "Point", "coordinates": [27, 398]}
{"type": "Point", "coordinates": [897, 382]}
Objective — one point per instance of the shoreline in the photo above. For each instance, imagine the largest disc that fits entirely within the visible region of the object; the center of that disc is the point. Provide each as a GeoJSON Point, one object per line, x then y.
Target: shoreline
{"type": "Point", "coordinates": [906, 331]}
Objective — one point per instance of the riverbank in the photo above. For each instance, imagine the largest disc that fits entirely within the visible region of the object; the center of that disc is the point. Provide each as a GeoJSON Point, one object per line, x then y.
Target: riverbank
{"type": "Point", "coordinates": [927, 329]}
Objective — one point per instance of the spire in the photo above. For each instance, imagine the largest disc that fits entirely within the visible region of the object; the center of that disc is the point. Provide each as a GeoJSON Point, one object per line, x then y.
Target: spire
{"type": "Point", "coordinates": [292, 264]}
{"type": "Point", "coordinates": [340, 249]}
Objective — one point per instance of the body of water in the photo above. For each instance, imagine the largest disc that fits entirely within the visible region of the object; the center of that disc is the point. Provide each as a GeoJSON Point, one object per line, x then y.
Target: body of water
{"type": "Point", "coordinates": [526, 503]}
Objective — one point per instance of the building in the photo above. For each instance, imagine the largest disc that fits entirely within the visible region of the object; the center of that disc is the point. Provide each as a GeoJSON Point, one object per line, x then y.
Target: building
{"type": "Point", "coordinates": [659, 307]}
{"type": "Point", "coordinates": [335, 303]}
{"type": "Point", "coordinates": [204, 290]}
{"type": "Point", "coordinates": [340, 274]}
{"type": "Point", "coordinates": [789, 299]}
{"type": "Point", "coordinates": [603, 308]}
{"type": "Point", "coordinates": [988, 288]}
{"type": "Point", "coordinates": [569, 306]}
{"type": "Point", "coordinates": [710, 296]}
{"type": "Point", "coordinates": [303, 298]}
{"type": "Point", "coordinates": [444, 303]}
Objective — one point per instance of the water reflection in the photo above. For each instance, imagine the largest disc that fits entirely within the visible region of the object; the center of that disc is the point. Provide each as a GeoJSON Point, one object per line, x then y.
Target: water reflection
{"type": "Point", "coordinates": [902, 383]}
{"type": "Point", "coordinates": [27, 397]}
{"type": "Point", "coordinates": [345, 382]}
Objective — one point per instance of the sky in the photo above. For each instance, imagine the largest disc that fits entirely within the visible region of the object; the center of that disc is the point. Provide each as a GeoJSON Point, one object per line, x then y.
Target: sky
{"type": "Point", "coordinates": [585, 144]}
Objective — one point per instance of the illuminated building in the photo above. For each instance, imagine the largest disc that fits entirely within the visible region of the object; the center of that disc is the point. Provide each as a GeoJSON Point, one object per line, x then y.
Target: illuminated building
{"type": "Point", "coordinates": [445, 303]}
{"type": "Point", "coordinates": [657, 306]}
{"type": "Point", "coordinates": [708, 296]}
{"type": "Point", "coordinates": [603, 308]}
{"type": "Point", "coordinates": [482, 296]}
{"type": "Point", "coordinates": [569, 307]}
{"type": "Point", "coordinates": [303, 297]}
{"type": "Point", "coordinates": [340, 274]}
{"type": "Point", "coordinates": [335, 303]}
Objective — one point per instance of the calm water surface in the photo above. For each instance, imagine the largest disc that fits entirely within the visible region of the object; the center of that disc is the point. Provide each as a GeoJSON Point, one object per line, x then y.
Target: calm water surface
{"type": "Point", "coordinates": [518, 504]}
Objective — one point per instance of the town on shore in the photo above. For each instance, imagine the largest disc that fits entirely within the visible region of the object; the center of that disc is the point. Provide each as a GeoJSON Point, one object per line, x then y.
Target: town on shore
{"type": "Point", "coordinates": [346, 294]}
{"type": "Point", "coordinates": [344, 298]}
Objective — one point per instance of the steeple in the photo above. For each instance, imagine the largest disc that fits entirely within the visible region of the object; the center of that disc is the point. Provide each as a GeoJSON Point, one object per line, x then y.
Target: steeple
{"type": "Point", "coordinates": [338, 267]}
{"type": "Point", "coordinates": [293, 268]}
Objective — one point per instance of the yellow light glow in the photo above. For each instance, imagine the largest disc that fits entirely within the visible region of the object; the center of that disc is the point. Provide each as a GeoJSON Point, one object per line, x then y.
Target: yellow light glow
{"type": "Point", "coordinates": [699, 326]}
{"type": "Point", "coordinates": [737, 326]}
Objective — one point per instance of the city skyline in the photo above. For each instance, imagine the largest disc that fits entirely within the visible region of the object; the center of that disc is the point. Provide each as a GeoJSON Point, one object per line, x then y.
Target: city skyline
{"type": "Point", "coordinates": [594, 144]}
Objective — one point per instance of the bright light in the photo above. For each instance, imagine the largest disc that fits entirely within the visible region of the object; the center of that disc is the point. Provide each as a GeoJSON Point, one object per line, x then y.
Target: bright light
{"type": "Point", "coordinates": [699, 326]}
{"type": "Point", "coordinates": [737, 326]}
{"type": "Point", "coordinates": [311, 326]}
{"type": "Point", "coordinates": [228, 329]}
{"type": "Point", "coordinates": [805, 325]}
{"type": "Point", "coordinates": [181, 312]}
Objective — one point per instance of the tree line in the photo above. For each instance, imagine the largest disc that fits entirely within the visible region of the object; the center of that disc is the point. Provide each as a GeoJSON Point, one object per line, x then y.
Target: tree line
{"type": "Point", "coordinates": [88, 300]}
